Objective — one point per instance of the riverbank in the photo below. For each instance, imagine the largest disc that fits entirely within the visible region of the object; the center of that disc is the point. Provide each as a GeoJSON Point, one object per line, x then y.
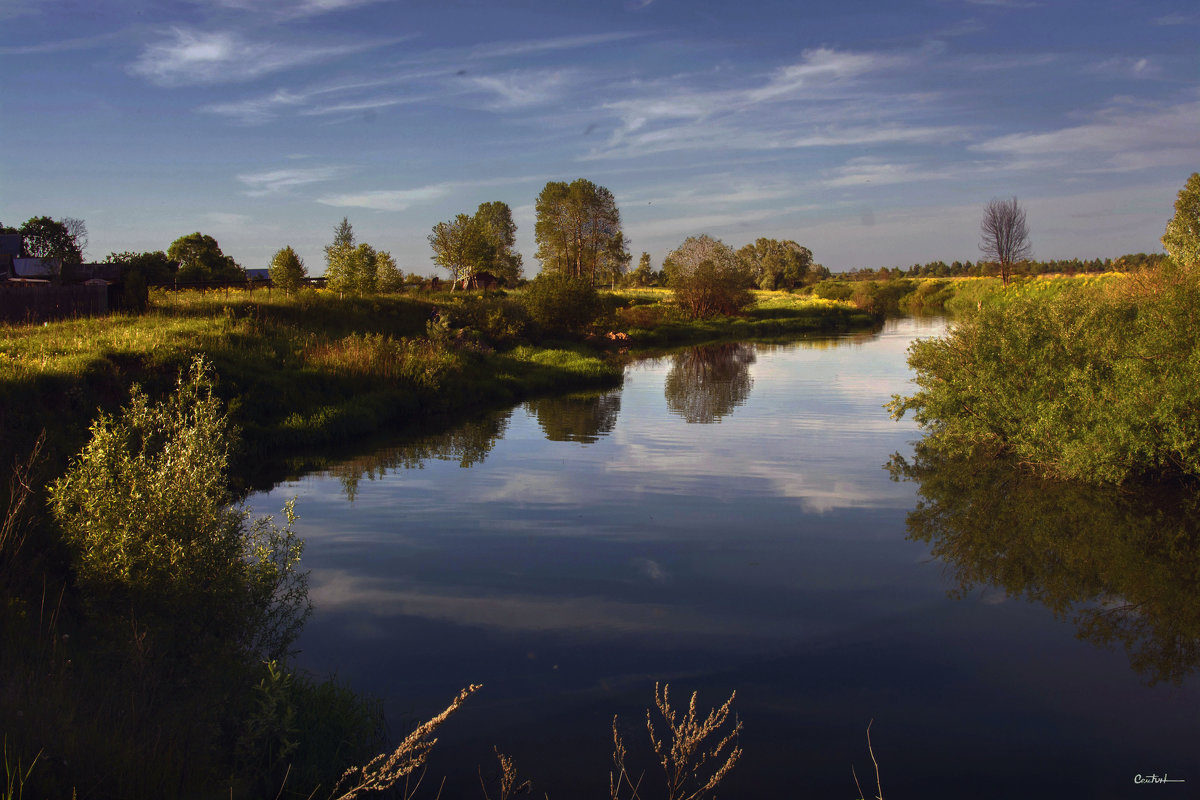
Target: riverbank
{"type": "Point", "coordinates": [313, 369]}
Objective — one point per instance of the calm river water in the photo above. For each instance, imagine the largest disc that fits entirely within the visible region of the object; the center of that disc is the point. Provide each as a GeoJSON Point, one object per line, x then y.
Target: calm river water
{"type": "Point", "coordinates": [725, 521]}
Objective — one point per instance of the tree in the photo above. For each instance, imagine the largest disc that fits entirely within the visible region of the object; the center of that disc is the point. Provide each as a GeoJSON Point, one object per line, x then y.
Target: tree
{"type": "Point", "coordinates": [578, 230]}
{"type": "Point", "coordinates": [1005, 237]}
{"type": "Point", "coordinates": [43, 237]}
{"type": "Point", "coordinates": [287, 270]}
{"type": "Point", "coordinates": [154, 266]}
{"type": "Point", "coordinates": [388, 277]}
{"type": "Point", "coordinates": [1182, 237]}
{"type": "Point", "coordinates": [773, 264]}
{"type": "Point", "coordinates": [339, 258]}
{"type": "Point", "coordinates": [496, 224]}
{"type": "Point", "coordinates": [79, 232]}
{"type": "Point", "coordinates": [200, 259]}
{"type": "Point", "coordinates": [707, 277]}
{"type": "Point", "coordinates": [644, 274]}
{"type": "Point", "coordinates": [460, 246]}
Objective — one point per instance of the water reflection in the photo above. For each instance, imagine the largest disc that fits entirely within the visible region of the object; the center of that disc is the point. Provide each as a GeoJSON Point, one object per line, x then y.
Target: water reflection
{"type": "Point", "coordinates": [468, 444]}
{"type": "Point", "coordinates": [582, 418]}
{"type": "Point", "coordinates": [707, 383]}
{"type": "Point", "coordinates": [1123, 567]}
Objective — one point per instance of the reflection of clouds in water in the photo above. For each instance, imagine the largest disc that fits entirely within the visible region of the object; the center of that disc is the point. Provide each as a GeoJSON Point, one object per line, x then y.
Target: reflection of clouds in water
{"type": "Point", "coordinates": [366, 599]}
{"type": "Point", "coordinates": [649, 568]}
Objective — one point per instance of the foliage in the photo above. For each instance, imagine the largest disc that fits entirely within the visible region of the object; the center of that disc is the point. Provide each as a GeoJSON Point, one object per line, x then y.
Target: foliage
{"type": "Point", "coordinates": [145, 509]}
{"type": "Point", "coordinates": [1182, 237]}
{"type": "Point", "coordinates": [339, 259]}
{"type": "Point", "coordinates": [1106, 390]}
{"type": "Point", "coordinates": [460, 246]}
{"type": "Point", "coordinates": [287, 270]}
{"type": "Point", "coordinates": [43, 237]}
{"type": "Point", "coordinates": [707, 277]}
{"type": "Point", "coordinates": [200, 259]}
{"type": "Point", "coordinates": [773, 264]}
{"type": "Point", "coordinates": [578, 231]}
{"type": "Point", "coordinates": [562, 303]}
{"type": "Point", "coordinates": [643, 275]}
{"type": "Point", "coordinates": [496, 223]}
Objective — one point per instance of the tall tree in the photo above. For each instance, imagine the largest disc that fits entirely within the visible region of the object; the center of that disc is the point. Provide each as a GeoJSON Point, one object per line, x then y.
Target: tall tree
{"type": "Point", "coordinates": [339, 254]}
{"type": "Point", "coordinates": [388, 277]}
{"type": "Point", "coordinates": [460, 246]}
{"type": "Point", "coordinates": [578, 230]}
{"type": "Point", "coordinates": [44, 237]}
{"type": "Point", "coordinates": [644, 274]}
{"type": "Point", "coordinates": [200, 259]}
{"type": "Point", "coordinates": [1182, 237]}
{"type": "Point", "coordinates": [287, 270]}
{"type": "Point", "coordinates": [496, 224]}
{"type": "Point", "coordinates": [1004, 235]}
{"type": "Point", "coordinates": [773, 264]}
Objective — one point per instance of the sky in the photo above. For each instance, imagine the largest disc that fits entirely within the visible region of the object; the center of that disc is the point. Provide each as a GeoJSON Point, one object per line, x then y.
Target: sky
{"type": "Point", "coordinates": [872, 132]}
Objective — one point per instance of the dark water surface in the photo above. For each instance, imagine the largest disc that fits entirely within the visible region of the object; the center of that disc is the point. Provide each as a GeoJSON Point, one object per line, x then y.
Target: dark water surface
{"type": "Point", "coordinates": [725, 522]}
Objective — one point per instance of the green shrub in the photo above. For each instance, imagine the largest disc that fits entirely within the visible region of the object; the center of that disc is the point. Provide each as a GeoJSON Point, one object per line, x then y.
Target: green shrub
{"type": "Point", "coordinates": [562, 304]}
{"type": "Point", "coordinates": [146, 512]}
{"type": "Point", "coordinates": [709, 289]}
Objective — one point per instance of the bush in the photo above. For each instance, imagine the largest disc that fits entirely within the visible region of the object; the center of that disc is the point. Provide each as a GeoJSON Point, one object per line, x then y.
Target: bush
{"type": "Point", "coordinates": [708, 290]}
{"type": "Point", "coordinates": [146, 512]}
{"type": "Point", "coordinates": [562, 304]}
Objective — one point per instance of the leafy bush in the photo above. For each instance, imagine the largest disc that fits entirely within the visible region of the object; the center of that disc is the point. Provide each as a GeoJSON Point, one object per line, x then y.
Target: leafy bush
{"type": "Point", "coordinates": [562, 304]}
{"type": "Point", "coordinates": [146, 512]}
{"type": "Point", "coordinates": [708, 290]}
{"type": "Point", "coordinates": [1093, 382]}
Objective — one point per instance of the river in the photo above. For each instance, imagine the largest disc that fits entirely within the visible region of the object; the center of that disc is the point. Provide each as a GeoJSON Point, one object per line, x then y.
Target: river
{"type": "Point", "coordinates": [725, 521]}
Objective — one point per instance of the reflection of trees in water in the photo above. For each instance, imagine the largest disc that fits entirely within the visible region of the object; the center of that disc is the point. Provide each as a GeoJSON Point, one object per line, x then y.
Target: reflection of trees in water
{"type": "Point", "coordinates": [468, 444]}
{"type": "Point", "coordinates": [1124, 567]}
{"type": "Point", "coordinates": [580, 418]}
{"type": "Point", "coordinates": [707, 383]}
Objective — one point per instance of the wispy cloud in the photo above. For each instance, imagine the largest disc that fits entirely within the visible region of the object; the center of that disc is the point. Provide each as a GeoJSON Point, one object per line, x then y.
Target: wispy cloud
{"type": "Point", "coordinates": [1130, 136]}
{"type": "Point", "coordinates": [190, 57]}
{"type": "Point", "coordinates": [1178, 19]}
{"type": "Point", "coordinates": [402, 199]}
{"type": "Point", "coordinates": [278, 181]}
{"type": "Point", "coordinates": [388, 199]}
{"type": "Point", "coordinates": [531, 46]}
{"type": "Point", "coordinates": [522, 88]}
{"type": "Point", "coordinates": [292, 8]}
{"type": "Point", "coordinates": [59, 46]}
{"type": "Point", "coordinates": [820, 66]}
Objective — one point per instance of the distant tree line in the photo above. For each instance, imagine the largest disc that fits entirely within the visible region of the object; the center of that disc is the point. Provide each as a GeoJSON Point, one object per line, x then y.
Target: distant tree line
{"type": "Point", "coordinates": [980, 269]}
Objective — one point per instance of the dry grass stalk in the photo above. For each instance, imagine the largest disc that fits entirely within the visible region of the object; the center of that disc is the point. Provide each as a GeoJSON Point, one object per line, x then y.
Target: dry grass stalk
{"type": "Point", "coordinates": [20, 488]}
{"type": "Point", "coordinates": [878, 783]}
{"type": "Point", "coordinates": [695, 753]}
{"type": "Point", "coordinates": [509, 785]}
{"type": "Point", "coordinates": [387, 769]}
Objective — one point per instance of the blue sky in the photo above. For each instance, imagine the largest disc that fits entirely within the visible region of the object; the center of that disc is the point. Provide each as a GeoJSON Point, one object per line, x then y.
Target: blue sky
{"type": "Point", "coordinates": [872, 132]}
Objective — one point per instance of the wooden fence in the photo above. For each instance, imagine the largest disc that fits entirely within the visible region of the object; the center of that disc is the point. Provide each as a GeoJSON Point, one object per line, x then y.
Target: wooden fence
{"type": "Point", "coordinates": [43, 301]}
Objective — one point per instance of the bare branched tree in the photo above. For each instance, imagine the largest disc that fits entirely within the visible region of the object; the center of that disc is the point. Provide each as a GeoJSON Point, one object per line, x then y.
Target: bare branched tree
{"type": "Point", "coordinates": [1005, 236]}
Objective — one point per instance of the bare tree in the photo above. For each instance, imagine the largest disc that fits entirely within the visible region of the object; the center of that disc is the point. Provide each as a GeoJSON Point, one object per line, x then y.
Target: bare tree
{"type": "Point", "coordinates": [1005, 235]}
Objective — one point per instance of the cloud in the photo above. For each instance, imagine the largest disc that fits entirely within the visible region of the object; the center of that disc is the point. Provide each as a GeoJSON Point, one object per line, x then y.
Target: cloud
{"type": "Point", "coordinates": [1177, 19]}
{"type": "Point", "coordinates": [60, 46]}
{"type": "Point", "coordinates": [189, 57]}
{"type": "Point", "coordinates": [258, 110]}
{"type": "Point", "coordinates": [279, 181]}
{"type": "Point", "coordinates": [292, 8]}
{"type": "Point", "coordinates": [1130, 135]}
{"type": "Point", "coordinates": [523, 88]}
{"type": "Point", "coordinates": [531, 46]}
{"type": "Point", "coordinates": [389, 199]}
{"type": "Point", "coordinates": [823, 65]}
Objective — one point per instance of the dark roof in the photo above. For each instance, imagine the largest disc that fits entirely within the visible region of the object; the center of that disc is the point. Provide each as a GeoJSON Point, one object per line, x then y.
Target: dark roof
{"type": "Point", "coordinates": [10, 244]}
